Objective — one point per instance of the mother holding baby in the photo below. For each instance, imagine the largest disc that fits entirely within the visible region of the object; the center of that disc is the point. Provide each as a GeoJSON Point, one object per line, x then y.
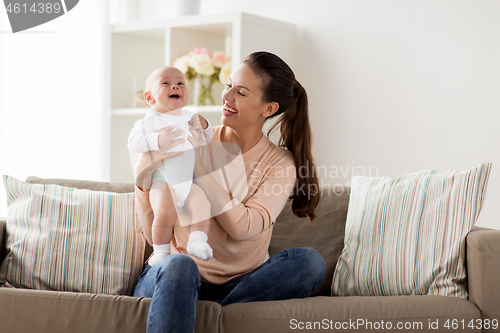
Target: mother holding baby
{"type": "Point", "coordinates": [261, 88]}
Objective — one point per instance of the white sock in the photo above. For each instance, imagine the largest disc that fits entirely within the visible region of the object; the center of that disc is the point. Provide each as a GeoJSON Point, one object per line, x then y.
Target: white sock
{"type": "Point", "coordinates": [198, 246]}
{"type": "Point", "coordinates": [160, 251]}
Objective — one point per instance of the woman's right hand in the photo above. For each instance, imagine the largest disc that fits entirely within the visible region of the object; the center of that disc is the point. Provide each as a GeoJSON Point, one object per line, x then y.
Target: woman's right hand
{"type": "Point", "coordinates": [167, 138]}
{"type": "Point", "coordinates": [150, 161]}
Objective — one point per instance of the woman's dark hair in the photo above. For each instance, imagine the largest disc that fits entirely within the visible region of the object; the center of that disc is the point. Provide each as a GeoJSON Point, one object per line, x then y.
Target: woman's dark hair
{"type": "Point", "coordinates": [279, 85]}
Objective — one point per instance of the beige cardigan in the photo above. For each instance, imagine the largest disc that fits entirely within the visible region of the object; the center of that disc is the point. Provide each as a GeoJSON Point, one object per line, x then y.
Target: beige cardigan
{"type": "Point", "coordinates": [239, 236]}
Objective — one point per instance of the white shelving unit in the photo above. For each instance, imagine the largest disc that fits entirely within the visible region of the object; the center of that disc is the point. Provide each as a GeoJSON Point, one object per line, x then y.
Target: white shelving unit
{"type": "Point", "coordinates": [141, 46]}
{"type": "Point", "coordinates": [205, 110]}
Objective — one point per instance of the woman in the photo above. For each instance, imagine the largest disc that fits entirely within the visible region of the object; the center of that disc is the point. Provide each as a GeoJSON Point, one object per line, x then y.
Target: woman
{"type": "Point", "coordinates": [263, 87]}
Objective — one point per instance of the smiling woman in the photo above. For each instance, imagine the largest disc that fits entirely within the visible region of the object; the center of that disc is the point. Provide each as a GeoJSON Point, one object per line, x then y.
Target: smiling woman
{"type": "Point", "coordinates": [240, 269]}
{"type": "Point", "coordinates": [266, 84]}
{"type": "Point", "coordinates": [52, 111]}
{"type": "Point", "coordinates": [242, 101]}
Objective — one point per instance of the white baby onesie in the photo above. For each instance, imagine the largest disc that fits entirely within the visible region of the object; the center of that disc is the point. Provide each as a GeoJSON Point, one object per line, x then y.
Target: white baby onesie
{"type": "Point", "coordinates": [176, 172]}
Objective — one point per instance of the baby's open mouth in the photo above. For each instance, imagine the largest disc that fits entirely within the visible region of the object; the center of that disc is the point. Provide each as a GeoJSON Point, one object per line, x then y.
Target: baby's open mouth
{"type": "Point", "coordinates": [175, 96]}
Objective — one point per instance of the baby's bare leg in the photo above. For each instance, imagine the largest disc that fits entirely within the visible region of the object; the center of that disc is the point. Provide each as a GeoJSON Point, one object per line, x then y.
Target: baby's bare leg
{"type": "Point", "coordinates": [165, 215]}
{"type": "Point", "coordinates": [198, 208]}
{"type": "Point", "coordinates": [203, 226]}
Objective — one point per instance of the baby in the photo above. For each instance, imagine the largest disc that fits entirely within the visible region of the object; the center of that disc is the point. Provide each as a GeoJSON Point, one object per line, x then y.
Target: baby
{"type": "Point", "coordinates": [167, 94]}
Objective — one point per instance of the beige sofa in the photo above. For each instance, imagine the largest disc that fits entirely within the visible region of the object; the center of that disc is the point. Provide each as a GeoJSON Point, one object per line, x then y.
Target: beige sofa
{"type": "Point", "coordinates": [50, 311]}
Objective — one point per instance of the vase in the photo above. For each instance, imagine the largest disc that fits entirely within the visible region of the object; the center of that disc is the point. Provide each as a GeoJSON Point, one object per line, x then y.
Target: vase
{"type": "Point", "coordinates": [203, 90]}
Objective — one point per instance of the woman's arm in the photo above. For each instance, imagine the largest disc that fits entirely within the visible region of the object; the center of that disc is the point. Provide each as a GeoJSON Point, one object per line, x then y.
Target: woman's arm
{"type": "Point", "coordinates": [246, 220]}
{"type": "Point", "coordinates": [144, 212]}
{"type": "Point", "coordinates": [249, 219]}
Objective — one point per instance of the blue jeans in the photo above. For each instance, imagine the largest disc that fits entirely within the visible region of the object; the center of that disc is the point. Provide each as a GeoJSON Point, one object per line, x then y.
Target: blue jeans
{"type": "Point", "coordinates": [174, 284]}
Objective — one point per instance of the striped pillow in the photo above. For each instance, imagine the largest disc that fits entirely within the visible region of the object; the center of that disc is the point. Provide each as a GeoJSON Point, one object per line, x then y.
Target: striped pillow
{"type": "Point", "coordinates": [406, 236]}
{"type": "Point", "coordinates": [68, 239]}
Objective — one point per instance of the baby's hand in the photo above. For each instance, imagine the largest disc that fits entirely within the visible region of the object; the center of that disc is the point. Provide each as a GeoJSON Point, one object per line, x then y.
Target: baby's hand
{"type": "Point", "coordinates": [198, 122]}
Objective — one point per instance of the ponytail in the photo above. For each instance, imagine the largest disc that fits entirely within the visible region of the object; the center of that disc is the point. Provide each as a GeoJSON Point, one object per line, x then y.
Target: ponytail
{"type": "Point", "coordinates": [280, 85]}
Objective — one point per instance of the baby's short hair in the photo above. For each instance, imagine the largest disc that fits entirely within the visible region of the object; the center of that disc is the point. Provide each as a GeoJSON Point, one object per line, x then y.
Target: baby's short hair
{"type": "Point", "coordinates": [150, 79]}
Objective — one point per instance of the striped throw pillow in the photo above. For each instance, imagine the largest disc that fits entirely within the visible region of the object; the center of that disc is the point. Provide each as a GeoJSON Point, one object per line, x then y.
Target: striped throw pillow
{"type": "Point", "coordinates": [406, 236]}
{"type": "Point", "coordinates": [68, 239]}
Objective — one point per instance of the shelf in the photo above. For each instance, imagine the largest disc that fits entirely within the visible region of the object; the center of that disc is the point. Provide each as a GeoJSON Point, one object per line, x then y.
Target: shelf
{"type": "Point", "coordinates": [138, 47]}
{"type": "Point", "coordinates": [206, 109]}
{"type": "Point", "coordinates": [211, 24]}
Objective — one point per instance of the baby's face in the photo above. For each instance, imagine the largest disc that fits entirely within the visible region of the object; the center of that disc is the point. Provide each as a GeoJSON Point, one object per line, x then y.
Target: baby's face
{"type": "Point", "coordinates": [168, 90]}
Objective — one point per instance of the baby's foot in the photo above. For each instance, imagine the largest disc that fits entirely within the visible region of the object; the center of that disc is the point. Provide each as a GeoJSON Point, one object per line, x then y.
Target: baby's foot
{"type": "Point", "coordinates": [160, 252]}
{"type": "Point", "coordinates": [198, 246]}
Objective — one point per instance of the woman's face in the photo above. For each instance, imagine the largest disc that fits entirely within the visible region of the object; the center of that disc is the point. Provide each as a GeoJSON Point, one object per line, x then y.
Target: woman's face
{"type": "Point", "coordinates": [242, 98]}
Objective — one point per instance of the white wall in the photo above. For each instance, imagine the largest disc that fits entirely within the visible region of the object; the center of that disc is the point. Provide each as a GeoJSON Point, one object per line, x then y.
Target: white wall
{"type": "Point", "coordinates": [52, 105]}
{"type": "Point", "coordinates": [396, 86]}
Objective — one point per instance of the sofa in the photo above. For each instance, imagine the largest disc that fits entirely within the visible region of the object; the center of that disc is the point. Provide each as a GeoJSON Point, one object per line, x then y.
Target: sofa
{"type": "Point", "coordinates": [25, 310]}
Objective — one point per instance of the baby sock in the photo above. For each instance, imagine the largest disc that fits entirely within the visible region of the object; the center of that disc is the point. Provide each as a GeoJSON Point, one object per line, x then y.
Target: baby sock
{"type": "Point", "coordinates": [159, 253]}
{"type": "Point", "coordinates": [198, 246]}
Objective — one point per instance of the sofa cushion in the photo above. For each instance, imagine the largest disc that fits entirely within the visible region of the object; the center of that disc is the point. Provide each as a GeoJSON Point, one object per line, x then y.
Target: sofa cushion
{"type": "Point", "coordinates": [84, 184]}
{"type": "Point", "coordinates": [325, 234]}
{"type": "Point", "coordinates": [58, 312]}
{"type": "Point", "coordinates": [363, 314]}
{"type": "Point", "coordinates": [406, 235]}
{"type": "Point", "coordinates": [91, 185]}
{"type": "Point", "coordinates": [483, 268]}
{"type": "Point", "coordinates": [68, 239]}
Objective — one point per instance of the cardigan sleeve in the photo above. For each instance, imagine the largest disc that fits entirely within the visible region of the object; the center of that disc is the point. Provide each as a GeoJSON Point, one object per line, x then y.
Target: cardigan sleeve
{"type": "Point", "coordinates": [245, 220]}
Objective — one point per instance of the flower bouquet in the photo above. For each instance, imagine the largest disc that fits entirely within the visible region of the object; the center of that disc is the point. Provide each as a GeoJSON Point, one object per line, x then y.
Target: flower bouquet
{"type": "Point", "coordinates": [206, 68]}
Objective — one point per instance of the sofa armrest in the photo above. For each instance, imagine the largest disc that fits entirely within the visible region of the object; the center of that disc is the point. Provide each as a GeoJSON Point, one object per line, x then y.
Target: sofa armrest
{"type": "Point", "coordinates": [483, 270]}
{"type": "Point", "coordinates": [3, 239]}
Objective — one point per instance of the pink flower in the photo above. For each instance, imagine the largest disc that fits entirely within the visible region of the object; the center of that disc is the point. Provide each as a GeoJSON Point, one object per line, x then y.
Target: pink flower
{"type": "Point", "coordinates": [219, 59]}
{"type": "Point", "coordinates": [202, 63]}
{"type": "Point", "coordinates": [225, 71]}
{"type": "Point", "coordinates": [199, 50]}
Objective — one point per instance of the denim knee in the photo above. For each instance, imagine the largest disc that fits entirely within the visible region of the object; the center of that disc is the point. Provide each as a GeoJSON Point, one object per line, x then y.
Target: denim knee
{"type": "Point", "coordinates": [314, 266]}
{"type": "Point", "coordinates": [178, 268]}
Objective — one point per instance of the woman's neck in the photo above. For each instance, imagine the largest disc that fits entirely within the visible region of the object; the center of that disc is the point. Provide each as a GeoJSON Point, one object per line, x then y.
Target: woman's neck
{"type": "Point", "coordinates": [246, 140]}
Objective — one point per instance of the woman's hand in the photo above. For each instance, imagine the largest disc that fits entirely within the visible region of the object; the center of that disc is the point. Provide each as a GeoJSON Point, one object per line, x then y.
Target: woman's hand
{"type": "Point", "coordinates": [150, 161]}
{"type": "Point", "coordinates": [166, 137]}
